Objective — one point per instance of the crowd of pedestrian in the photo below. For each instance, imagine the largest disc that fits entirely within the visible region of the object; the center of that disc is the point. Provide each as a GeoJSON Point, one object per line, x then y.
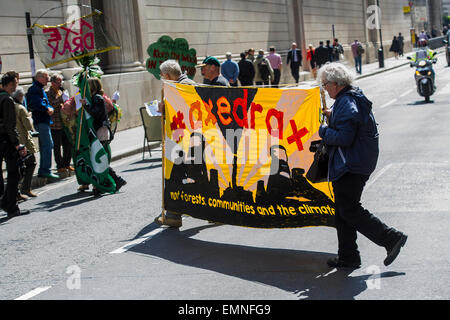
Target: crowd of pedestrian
{"type": "Point", "coordinates": [50, 114]}
{"type": "Point", "coordinates": [263, 69]}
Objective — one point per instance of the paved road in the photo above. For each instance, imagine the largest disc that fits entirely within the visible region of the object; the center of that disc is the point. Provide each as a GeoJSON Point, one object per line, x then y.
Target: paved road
{"type": "Point", "coordinates": [74, 246]}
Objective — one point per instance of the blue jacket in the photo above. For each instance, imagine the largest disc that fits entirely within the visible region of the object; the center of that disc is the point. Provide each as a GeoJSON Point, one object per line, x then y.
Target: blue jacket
{"type": "Point", "coordinates": [38, 104]}
{"type": "Point", "coordinates": [351, 135]}
{"type": "Point", "coordinates": [230, 70]}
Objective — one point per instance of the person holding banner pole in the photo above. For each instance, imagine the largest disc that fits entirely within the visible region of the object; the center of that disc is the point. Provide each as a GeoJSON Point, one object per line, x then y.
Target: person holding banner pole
{"type": "Point", "coordinates": [210, 68]}
{"type": "Point", "coordinates": [170, 70]}
{"type": "Point", "coordinates": [351, 137]}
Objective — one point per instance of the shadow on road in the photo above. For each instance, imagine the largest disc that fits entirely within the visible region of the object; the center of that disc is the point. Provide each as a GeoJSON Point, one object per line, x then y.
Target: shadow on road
{"type": "Point", "coordinates": [303, 273]}
{"type": "Point", "coordinates": [143, 168]}
{"type": "Point", "coordinates": [67, 201]}
{"type": "Point", "coordinates": [419, 103]}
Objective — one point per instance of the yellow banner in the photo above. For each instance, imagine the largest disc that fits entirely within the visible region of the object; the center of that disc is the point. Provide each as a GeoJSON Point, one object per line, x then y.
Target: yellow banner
{"type": "Point", "coordinates": [240, 156]}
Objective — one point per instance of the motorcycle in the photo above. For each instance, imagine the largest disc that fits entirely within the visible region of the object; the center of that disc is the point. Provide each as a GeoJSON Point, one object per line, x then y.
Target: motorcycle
{"type": "Point", "coordinates": [424, 76]}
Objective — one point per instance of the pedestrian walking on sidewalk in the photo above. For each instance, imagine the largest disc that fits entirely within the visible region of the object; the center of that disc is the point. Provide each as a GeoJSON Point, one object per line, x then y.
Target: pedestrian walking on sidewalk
{"type": "Point", "coordinates": [395, 47]}
{"type": "Point", "coordinates": [24, 125]}
{"type": "Point", "coordinates": [294, 60]}
{"type": "Point", "coordinates": [246, 71]}
{"type": "Point", "coordinates": [357, 51]}
{"type": "Point", "coordinates": [62, 149]}
{"type": "Point", "coordinates": [10, 148]}
{"type": "Point", "coordinates": [230, 70]}
{"type": "Point", "coordinates": [263, 70]}
{"type": "Point", "coordinates": [98, 110]}
{"type": "Point", "coordinates": [311, 57]}
{"type": "Point", "coordinates": [401, 43]}
{"type": "Point", "coordinates": [276, 63]}
{"type": "Point", "coordinates": [338, 50]}
{"type": "Point", "coordinates": [42, 111]}
{"type": "Point", "coordinates": [351, 138]}
{"type": "Point", "coordinates": [321, 55]}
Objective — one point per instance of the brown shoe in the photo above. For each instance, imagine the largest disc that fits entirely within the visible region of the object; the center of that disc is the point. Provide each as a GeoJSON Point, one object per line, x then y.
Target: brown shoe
{"type": "Point", "coordinates": [83, 187]}
{"type": "Point", "coordinates": [70, 168]}
{"type": "Point", "coordinates": [21, 197]}
{"type": "Point", "coordinates": [62, 170]}
{"type": "Point", "coordinates": [29, 193]}
{"type": "Point", "coordinates": [176, 223]}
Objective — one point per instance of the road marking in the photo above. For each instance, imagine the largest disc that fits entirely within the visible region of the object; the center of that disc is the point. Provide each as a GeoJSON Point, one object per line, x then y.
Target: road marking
{"type": "Point", "coordinates": [379, 174]}
{"type": "Point", "coordinates": [139, 240]}
{"type": "Point", "coordinates": [406, 93]}
{"type": "Point", "coordinates": [33, 293]}
{"type": "Point", "coordinates": [388, 104]}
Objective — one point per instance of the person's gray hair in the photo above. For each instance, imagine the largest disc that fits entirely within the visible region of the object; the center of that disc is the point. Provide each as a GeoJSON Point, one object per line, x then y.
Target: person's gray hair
{"type": "Point", "coordinates": [41, 72]}
{"type": "Point", "coordinates": [335, 72]}
{"type": "Point", "coordinates": [19, 91]}
{"type": "Point", "coordinates": [55, 76]}
{"type": "Point", "coordinates": [170, 67]}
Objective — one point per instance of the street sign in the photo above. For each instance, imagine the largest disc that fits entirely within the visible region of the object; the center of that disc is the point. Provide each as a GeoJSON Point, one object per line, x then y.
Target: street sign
{"type": "Point", "coordinates": [420, 14]}
{"type": "Point", "coordinates": [407, 9]}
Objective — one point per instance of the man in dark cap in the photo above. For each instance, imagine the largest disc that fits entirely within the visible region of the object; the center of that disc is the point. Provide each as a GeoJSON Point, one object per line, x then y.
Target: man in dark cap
{"type": "Point", "coordinates": [210, 68]}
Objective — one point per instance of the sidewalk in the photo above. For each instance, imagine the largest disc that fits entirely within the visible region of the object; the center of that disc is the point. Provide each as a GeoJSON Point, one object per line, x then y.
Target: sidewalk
{"type": "Point", "coordinates": [130, 142]}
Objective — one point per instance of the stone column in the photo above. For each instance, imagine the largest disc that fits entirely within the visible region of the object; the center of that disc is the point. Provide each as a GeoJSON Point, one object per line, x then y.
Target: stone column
{"type": "Point", "coordinates": [122, 24]}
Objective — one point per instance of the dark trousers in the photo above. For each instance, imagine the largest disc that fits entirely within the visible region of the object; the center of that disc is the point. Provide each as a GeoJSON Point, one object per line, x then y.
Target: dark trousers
{"type": "Point", "coordinates": [2, 183]}
{"type": "Point", "coordinates": [351, 217]}
{"type": "Point", "coordinates": [112, 173]}
{"type": "Point", "coordinates": [295, 68]}
{"type": "Point", "coordinates": [276, 77]}
{"type": "Point", "coordinates": [60, 141]}
{"type": "Point", "coordinates": [30, 165]}
{"type": "Point", "coordinates": [246, 82]}
{"type": "Point", "coordinates": [260, 83]}
{"type": "Point", "coordinates": [10, 154]}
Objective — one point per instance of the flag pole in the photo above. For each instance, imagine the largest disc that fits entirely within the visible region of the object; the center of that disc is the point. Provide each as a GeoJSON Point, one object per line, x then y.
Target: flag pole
{"type": "Point", "coordinates": [82, 110]}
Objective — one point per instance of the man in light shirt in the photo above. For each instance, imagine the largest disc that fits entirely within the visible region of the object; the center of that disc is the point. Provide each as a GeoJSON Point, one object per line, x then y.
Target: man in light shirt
{"type": "Point", "coordinates": [276, 63]}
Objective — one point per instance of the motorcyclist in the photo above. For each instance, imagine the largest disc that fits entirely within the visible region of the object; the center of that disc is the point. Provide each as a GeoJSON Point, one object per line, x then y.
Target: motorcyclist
{"type": "Point", "coordinates": [423, 53]}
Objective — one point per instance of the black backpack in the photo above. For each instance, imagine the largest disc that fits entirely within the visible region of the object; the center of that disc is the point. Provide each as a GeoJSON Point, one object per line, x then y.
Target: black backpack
{"type": "Point", "coordinates": [264, 71]}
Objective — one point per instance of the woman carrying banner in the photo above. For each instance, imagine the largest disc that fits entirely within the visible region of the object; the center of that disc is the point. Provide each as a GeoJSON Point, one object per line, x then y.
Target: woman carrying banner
{"type": "Point", "coordinates": [351, 137]}
{"type": "Point", "coordinates": [98, 110]}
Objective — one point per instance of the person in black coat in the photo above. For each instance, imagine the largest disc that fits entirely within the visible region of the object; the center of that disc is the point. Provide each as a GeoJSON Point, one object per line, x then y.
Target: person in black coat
{"type": "Point", "coordinates": [246, 71]}
{"type": "Point", "coordinates": [294, 59]}
{"type": "Point", "coordinates": [395, 47]}
{"type": "Point", "coordinates": [322, 55]}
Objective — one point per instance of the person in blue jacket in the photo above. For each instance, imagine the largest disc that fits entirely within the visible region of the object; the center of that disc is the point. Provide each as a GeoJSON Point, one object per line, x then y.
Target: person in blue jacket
{"type": "Point", "coordinates": [41, 111]}
{"type": "Point", "coordinates": [351, 137]}
{"type": "Point", "coordinates": [230, 70]}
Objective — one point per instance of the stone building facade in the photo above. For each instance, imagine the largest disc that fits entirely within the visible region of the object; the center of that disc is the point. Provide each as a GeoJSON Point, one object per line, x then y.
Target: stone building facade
{"type": "Point", "coordinates": [212, 27]}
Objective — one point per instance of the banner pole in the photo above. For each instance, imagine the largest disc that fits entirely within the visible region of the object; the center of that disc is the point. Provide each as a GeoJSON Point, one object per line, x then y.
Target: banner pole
{"type": "Point", "coordinates": [163, 157]}
{"type": "Point", "coordinates": [324, 104]}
